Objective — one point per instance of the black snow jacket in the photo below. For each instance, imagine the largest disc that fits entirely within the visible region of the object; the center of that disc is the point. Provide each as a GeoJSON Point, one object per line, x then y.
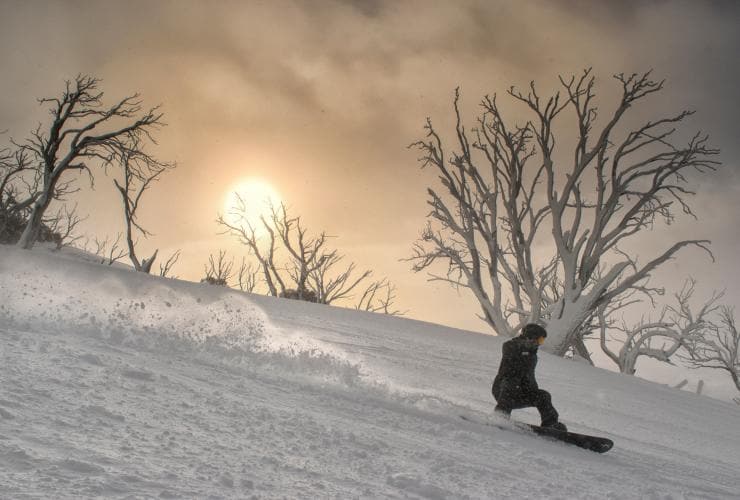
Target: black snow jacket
{"type": "Point", "coordinates": [516, 371]}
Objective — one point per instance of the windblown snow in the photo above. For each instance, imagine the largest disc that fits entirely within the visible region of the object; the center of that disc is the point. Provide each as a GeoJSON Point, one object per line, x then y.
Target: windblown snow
{"type": "Point", "coordinates": [115, 384]}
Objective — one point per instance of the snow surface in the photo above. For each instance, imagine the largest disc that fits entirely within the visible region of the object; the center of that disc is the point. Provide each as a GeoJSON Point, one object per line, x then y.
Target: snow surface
{"type": "Point", "coordinates": [115, 384]}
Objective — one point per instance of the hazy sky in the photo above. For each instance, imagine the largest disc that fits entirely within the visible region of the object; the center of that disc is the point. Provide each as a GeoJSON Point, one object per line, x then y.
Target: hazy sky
{"type": "Point", "coordinates": [321, 98]}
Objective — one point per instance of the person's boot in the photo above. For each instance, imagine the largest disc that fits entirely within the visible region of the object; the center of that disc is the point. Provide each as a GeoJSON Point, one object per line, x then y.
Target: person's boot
{"type": "Point", "coordinates": [549, 415]}
{"type": "Point", "coordinates": [502, 412]}
{"type": "Point", "coordinates": [558, 426]}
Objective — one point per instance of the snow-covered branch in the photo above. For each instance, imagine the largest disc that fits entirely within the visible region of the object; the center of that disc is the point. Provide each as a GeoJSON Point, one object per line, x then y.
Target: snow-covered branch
{"type": "Point", "coordinates": [719, 348]}
{"type": "Point", "coordinates": [506, 194]}
{"type": "Point", "coordinates": [678, 326]}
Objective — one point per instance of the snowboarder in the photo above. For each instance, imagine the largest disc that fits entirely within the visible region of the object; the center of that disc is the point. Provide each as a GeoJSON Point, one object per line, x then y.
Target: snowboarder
{"type": "Point", "coordinates": [515, 386]}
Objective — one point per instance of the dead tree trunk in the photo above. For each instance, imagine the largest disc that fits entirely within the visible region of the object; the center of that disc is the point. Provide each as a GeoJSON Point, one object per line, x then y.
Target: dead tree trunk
{"type": "Point", "coordinates": [139, 171]}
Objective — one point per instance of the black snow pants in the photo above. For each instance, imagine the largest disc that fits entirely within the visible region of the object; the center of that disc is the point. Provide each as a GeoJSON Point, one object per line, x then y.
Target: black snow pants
{"type": "Point", "coordinates": [514, 398]}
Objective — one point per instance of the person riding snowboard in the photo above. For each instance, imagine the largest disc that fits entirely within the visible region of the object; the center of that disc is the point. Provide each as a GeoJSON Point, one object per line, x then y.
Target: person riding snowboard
{"type": "Point", "coordinates": [515, 386]}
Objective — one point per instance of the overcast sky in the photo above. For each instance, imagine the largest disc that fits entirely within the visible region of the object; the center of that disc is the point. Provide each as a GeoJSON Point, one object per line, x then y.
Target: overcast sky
{"type": "Point", "coordinates": [321, 99]}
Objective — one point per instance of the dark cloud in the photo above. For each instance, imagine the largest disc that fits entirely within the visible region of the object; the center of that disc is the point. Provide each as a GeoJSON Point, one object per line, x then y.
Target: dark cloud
{"type": "Point", "coordinates": [608, 12]}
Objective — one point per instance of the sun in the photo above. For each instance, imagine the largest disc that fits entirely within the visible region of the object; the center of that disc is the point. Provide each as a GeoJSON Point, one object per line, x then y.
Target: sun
{"type": "Point", "coordinates": [248, 200]}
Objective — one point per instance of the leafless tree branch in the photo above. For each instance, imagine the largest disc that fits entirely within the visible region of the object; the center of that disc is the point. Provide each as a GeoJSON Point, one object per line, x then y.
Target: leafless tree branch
{"type": "Point", "coordinates": [219, 270]}
{"type": "Point", "coordinates": [62, 226]}
{"type": "Point", "coordinates": [139, 171]}
{"type": "Point", "coordinates": [678, 326]}
{"type": "Point", "coordinates": [504, 193]}
{"type": "Point", "coordinates": [719, 348]}
{"type": "Point", "coordinates": [108, 254]}
{"type": "Point", "coordinates": [294, 264]}
{"type": "Point", "coordinates": [82, 132]}
{"type": "Point", "coordinates": [166, 268]}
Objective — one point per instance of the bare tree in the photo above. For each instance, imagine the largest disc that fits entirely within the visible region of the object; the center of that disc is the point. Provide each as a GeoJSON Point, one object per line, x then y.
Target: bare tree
{"type": "Point", "coordinates": [139, 171]}
{"type": "Point", "coordinates": [62, 226]}
{"type": "Point", "coordinates": [240, 226]}
{"type": "Point", "coordinates": [166, 268]}
{"type": "Point", "coordinates": [678, 326]}
{"type": "Point", "coordinates": [719, 348]}
{"type": "Point", "coordinates": [508, 194]}
{"type": "Point", "coordinates": [18, 190]}
{"type": "Point", "coordinates": [17, 193]}
{"type": "Point", "coordinates": [306, 256]}
{"type": "Point", "coordinates": [247, 277]}
{"type": "Point", "coordinates": [379, 297]}
{"type": "Point", "coordinates": [295, 265]}
{"type": "Point", "coordinates": [108, 254]}
{"type": "Point", "coordinates": [81, 131]}
{"type": "Point", "coordinates": [331, 286]}
{"type": "Point", "coordinates": [219, 270]}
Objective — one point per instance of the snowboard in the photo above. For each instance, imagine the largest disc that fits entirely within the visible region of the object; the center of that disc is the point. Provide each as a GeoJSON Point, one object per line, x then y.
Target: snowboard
{"type": "Point", "coordinates": [585, 441]}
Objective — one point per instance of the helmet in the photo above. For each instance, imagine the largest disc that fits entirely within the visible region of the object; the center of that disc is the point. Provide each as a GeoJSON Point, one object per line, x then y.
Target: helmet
{"type": "Point", "coordinates": [533, 331]}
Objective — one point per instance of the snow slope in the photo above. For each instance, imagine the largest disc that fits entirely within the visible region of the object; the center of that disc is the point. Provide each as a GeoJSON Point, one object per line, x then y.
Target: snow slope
{"type": "Point", "coordinates": [115, 384]}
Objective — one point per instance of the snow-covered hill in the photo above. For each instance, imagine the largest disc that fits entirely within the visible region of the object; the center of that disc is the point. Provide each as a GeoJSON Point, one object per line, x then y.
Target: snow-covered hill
{"type": "Point", "coordinates": [115, 384]}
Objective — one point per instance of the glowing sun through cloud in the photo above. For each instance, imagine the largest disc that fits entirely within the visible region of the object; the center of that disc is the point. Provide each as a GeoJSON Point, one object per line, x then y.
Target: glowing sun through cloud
{"type": "Point", "coordinates": [247, 201]}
